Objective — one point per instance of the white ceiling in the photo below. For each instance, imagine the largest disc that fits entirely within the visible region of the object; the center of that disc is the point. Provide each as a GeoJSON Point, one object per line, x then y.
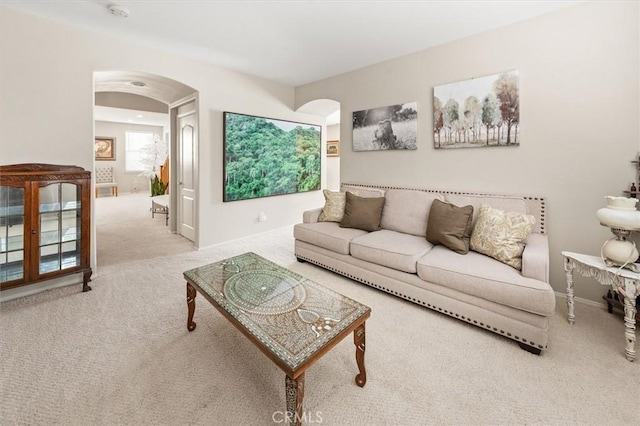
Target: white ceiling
{"type": "Point", "coordinates": [291, 41]}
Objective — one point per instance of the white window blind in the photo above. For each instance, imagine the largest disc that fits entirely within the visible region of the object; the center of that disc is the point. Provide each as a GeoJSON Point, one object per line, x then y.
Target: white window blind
{"type": "Point", "coordinates": [137, 145]}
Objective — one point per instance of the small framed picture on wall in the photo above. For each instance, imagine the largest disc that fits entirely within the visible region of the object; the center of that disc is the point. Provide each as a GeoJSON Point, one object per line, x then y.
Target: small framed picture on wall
{"type": "Point", "coordinates": [333, 148]}
{"type": "Point", "coordinates": [105, 148]}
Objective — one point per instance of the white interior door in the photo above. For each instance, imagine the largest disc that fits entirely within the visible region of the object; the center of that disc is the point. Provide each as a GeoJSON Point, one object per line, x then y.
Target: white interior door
{"type": "Point", "coordinates": [187, 151]}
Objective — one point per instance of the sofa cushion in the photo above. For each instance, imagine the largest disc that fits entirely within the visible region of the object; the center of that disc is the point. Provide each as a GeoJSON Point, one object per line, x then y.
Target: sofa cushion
{"type": "Point", "coordinates": [333, 209]}
{"type": "Point", "coordinates": [502, 202]}
{"type": "Point", "coordinates": [327, 235]}
{"type": "Point", "coordinates": [391, 249]}
{"type": "Point", "coordinates": [501, 234]}
{"type": "Point", "coordinates": [407, 210]}
{"type": "Point", "coordinates": [450, 226]}
{"type": "Point", "coordinates": [484, 277]}
{"type": "Point", "coordinates": [362, 212]}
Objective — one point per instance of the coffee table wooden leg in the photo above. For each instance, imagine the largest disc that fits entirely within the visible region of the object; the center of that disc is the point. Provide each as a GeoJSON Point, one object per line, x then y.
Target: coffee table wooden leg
{"type": "Point", "coordinates": [358, 340]}
{"type": "Point", "coordinates": [191, 305]}
{"type": "Point", "coordinates": [294, 395]}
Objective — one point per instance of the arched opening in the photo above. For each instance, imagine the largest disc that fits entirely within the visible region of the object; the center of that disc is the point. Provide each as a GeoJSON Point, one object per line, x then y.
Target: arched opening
{"type": "Point", "coordinates": [330, 110]}
{"type": "Point", "coordinates": [145, 111]}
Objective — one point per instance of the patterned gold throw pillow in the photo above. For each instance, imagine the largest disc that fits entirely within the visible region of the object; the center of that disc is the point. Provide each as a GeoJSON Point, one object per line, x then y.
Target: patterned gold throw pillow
{"type": "Point", "coordinates": [501, 234]}
{"type": "Point", "coordinates": [333, 209]}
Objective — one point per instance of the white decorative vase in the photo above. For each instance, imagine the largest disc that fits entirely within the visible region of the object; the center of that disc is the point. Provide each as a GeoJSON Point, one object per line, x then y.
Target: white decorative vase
{"type": "Point", "coordinates": [620, 212]}
{"type": "Point", "coordinates": [620, 252]}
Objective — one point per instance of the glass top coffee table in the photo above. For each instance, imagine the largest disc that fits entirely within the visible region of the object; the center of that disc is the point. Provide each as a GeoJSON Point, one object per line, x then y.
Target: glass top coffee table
{"type": "Point", "coordinates": [291, 319]}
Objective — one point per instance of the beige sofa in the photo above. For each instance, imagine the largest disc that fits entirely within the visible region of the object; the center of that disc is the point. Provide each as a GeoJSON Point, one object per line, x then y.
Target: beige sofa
{"type": "Point", "coordinates": [472, 287]}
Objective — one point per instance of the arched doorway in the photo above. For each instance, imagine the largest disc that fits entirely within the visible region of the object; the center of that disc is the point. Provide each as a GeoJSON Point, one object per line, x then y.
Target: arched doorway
{"type": "Point", "coordinates": [330, 110]}
{"type": "Point", "coordinates": [129, 89]}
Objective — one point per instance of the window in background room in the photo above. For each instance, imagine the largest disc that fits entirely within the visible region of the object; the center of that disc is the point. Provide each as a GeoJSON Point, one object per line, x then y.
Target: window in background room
{"type": "Point", "coordinates": [137, 145]}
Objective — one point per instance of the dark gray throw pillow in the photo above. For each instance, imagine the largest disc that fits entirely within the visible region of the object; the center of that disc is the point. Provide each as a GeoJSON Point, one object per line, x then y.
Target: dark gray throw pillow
{"type": "Point", "coordinates": [362, 213]}
{"type": "Point", "coordinates": [450, 226]}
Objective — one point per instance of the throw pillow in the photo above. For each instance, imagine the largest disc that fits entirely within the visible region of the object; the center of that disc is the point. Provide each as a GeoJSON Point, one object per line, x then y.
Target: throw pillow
{"type": "Point", "coordinates": [450, 226]}
{"type": "Point", "coordinates": [362, 213]}
{"type": "Point", "coordinates": [501, 234]}
{"type": "Point", "coordinates": [333, 209]}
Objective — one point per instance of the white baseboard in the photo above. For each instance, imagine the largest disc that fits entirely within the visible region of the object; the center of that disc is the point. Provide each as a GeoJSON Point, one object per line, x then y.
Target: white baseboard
{"type": "Point", "coordinates": [582, 300]}
{"type": "Point", "coordinates": [243, 238]}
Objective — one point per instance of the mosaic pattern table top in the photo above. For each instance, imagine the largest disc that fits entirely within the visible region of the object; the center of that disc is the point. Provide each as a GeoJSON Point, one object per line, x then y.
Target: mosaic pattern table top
{"type": "Point", "coordinates": [293, 317]}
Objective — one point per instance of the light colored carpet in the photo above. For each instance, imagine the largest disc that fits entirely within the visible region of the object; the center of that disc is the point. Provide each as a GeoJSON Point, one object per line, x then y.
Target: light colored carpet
{"type": "Point", "coordinates": [121, 355]}
{"type": "Point", "coordinates": [126, 232]}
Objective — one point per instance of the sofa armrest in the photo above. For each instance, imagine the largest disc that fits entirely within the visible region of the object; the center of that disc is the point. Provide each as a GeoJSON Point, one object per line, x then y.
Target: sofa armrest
{"type": "Point", "coordinates": [535, 258]}
{"type": "Point", "coordinates": [311, 216]}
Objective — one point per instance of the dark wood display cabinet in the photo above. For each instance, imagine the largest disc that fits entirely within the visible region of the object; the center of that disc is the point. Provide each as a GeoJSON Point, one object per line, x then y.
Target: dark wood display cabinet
{"type": "Point", "coordinates": [45, 214]}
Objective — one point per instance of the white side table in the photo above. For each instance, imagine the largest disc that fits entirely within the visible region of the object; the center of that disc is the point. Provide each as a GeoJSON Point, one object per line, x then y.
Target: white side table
{"type": "Point", "coordinates": [625, 282]}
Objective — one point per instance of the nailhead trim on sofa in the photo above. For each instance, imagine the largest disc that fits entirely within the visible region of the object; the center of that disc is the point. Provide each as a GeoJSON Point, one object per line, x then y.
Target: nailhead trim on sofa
{"type": "Point", "coordinates": [416, 301]}
{"type": "Point", "coordinates": [540, 201]}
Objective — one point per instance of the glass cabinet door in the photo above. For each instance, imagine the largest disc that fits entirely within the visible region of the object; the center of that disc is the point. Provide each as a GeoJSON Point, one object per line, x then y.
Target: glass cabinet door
{"type": "Point", "coordinates": [59, 222]}
{"type": "Point", "coordinates": [12, 257]}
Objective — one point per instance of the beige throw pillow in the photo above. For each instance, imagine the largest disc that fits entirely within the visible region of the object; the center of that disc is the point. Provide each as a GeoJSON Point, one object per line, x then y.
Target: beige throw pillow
{"type": "Point", "coordinates": [333, 209]}
{"type": "Point", "coordinates": [362, 213]}
{"type": "Point", "coordinates": [501, 234]}
{"type": "Point", "coordinates": [450, 226]}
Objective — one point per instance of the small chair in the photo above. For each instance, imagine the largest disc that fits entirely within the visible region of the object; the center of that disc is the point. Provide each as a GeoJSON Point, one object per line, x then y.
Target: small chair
{"type": "Point", "coordinates": [104, 179]}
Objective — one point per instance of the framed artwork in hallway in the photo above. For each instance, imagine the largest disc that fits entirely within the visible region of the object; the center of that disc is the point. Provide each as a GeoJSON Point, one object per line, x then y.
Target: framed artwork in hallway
{"type": "Point", "coordinates": [105, 148]}
{"type": "Point", "coordinates": [333, 148]}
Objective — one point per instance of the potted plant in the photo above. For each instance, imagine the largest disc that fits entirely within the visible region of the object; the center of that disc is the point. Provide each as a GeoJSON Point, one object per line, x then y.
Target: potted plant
{"type": "Point", "coordinates": [157, 186]}
{"type": "Point", "coordinates": [152, 159]}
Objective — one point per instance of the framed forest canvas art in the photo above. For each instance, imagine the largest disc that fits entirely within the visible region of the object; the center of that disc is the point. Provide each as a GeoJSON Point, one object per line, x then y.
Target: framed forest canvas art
{"type": "Point", "coordinates": [264, 157]}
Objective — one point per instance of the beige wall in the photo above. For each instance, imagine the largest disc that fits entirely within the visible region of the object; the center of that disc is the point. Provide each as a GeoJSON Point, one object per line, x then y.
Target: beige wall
{"type": "Point", "coordinates": [47, 112]}
{"type": "Point", "coordinates": [579, 118]}
{"type": "Point", "coordinates": [333, 163]}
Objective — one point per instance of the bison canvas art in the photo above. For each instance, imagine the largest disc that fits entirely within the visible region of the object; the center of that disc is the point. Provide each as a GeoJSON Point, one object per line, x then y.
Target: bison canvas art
{"type": "Point", "coordinates": [479, 112]}
{"type": "Point", "coordinates": [392, 127]}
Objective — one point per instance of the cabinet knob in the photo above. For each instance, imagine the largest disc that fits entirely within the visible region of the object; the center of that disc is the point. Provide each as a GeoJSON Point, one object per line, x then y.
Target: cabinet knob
{"type": "Point", "coordinates": [33, 232]}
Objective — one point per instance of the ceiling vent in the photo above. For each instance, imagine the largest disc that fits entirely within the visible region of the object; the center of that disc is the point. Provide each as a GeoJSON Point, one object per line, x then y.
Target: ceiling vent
{"type": "Point", "coordinates": [119, 11]}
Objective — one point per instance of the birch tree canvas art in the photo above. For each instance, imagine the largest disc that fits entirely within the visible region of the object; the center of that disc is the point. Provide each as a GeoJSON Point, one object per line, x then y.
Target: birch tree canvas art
{"type": "Point", "coordinates": [479, 112]}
